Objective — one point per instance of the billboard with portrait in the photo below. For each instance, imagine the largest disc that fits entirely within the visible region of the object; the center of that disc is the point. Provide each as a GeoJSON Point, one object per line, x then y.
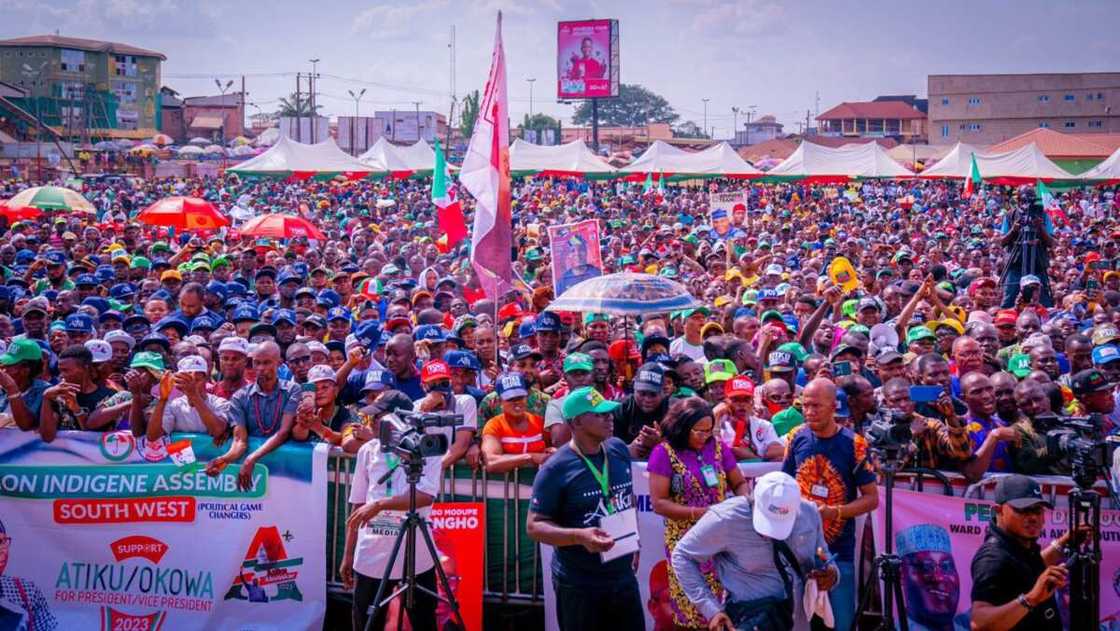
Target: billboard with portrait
{"type": "Point", "coordinates": [587, 59]}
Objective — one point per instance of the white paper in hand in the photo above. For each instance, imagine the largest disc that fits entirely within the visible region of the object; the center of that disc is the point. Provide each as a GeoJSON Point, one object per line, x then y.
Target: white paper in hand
{"type": "Point", "coordinates": [181, 452]}
{"type": "Point", "coordinates": [623, 528]}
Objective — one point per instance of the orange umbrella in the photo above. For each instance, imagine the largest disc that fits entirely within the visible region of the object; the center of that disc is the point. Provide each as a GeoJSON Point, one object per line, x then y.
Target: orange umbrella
{"type": "Point", "coordinates": [282, 227]}
{"type": "Point", "coordinates": [183, 213]}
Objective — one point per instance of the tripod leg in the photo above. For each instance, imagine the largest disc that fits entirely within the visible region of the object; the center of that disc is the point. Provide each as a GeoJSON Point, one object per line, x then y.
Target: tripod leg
{"type": "Point", "coordinates": [903, 621]}
{"type": "Point", "coordinates": [441, 576]}
{"type": "Point", "coordinates": [376, 604]}
{"type": "Point", "coordinates": [868, 594]}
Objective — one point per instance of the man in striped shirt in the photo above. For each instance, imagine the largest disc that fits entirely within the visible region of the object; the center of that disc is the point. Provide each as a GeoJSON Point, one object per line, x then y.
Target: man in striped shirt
{"type": "Point", "coordinates": [515, 438]}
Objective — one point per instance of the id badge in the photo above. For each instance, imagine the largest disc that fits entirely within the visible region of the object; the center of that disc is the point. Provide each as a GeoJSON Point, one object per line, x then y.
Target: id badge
{"type": "Point", "coordinates": [387, 523]}
{"type": "Point", "coordinates": [820, 490]}
{"type": "Point", "coordinates": [709, 475]}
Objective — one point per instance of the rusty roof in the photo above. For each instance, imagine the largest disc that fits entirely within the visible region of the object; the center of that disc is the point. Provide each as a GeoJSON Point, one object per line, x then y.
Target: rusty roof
{"type": "Point", "coordinates": [1055, 144]}
{"type": "Point", "coordinates": [79, 43]}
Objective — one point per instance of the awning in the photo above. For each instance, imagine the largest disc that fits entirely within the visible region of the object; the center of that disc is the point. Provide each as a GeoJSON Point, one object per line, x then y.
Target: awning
{"type": "Point", "coordinates": [121, 134]}
{"type": "Point", "coordinates": [207, 122]}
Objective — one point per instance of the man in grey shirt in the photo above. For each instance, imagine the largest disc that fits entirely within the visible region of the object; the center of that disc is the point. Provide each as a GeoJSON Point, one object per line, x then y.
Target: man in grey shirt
{"type": "Point", "coordinates": [737, 535]}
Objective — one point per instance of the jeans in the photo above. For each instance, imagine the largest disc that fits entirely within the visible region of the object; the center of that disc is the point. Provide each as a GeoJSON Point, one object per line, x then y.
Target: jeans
{"type": "Point", "coordinates": [422, 616]}
{"type": "Point", "coordinates": [614, 608]}
{"type": "Point", "coordinates": [843, 596]}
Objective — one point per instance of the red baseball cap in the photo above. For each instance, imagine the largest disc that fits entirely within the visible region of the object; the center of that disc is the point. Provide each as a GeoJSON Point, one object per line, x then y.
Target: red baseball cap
{"type": "Point", "coordinates": [435, 370]}
{"type": "Point", "coordinates": [511, 311]}
{"type": "Point", "coordinates": [739, 385]}
{"type": "Point", "coordinates": [1006, 316]}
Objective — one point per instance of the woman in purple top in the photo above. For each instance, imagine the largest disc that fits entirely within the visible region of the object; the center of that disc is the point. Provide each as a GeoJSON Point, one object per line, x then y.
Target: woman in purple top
{"type": "Point", "coordinates": [690, 470]}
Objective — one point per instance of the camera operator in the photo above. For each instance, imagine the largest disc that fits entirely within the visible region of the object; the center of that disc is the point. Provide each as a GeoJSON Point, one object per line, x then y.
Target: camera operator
{"type": "Point", "coordinates": [1027, 243]}
{"type": "Point", "coordinates": [938, 444]}
{"type": "Point", "coordinates": [1028, 453]}
{"type": "Point", "coordinates": [377, 514]}
{"type": "Point", "coordinates": [436, 379]}
{"type": "Point", "coordinates": [1013, 579]}
{"type": "Point", "coordinates": [1093, 392]}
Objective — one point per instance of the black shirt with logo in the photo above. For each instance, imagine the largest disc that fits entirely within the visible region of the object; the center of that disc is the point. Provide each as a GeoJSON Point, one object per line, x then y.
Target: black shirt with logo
{"type": "Point", "coordinates": [1003, 569]}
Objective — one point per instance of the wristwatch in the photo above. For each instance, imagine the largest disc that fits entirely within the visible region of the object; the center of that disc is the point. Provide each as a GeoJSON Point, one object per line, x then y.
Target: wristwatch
{"type": "Point", "coordinates": [1024, 602]}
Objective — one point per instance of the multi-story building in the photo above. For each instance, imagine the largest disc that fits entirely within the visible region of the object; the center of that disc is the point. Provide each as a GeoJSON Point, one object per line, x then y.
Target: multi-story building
{"type": "Point", "coordinates": [874, 119]}
{"type": "Point", "coordinates": [757, 131]}
{"type": "Point", "coordinates": [84, 86]}
{"type": "Point", "coordinates": [217, 118]}
{"type": "Point", "coordinates": [988, 109]}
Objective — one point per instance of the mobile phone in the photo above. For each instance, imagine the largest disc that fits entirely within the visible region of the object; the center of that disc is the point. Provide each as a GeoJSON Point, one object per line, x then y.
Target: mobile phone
{"type": "Point", "coordinates": [925, 394]}
{"type": "Point", "coordinates": [1092, 284]}
{"type": "Point", "coordinates": [1098, 265]}
{"type": "Point", "coordinates": [841, 369]}
{"type": "Point", "coordinates": [308, 387]}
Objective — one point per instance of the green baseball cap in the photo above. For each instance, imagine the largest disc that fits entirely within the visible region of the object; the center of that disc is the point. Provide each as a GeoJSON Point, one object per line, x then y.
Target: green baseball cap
{"type": "Point", "coordinates": [140, 262]}
{"type": "Point", "coordinates": [750, 297]}
{"type": "Point", "coordinates": [1019, 365]}
{"type": "Point", "coordinates": [687, 313]}
{"type": "Point", "coordinates": [786, 420]}
{"type": "Point", "coordinates": [160, 246]}
{"type": "Point", "coordinates": [578, 361]}
{"type": "Point", "coordinates": [919, 333]}
{"type": "Point", "coordinates": [147, 359]}
{"type": "Point", "coordinates": [798, 351]}
{"type": "Point", "coordinates": [772, 314]}
{"type": "Point", "coordinates": [719, 370]}
{"type": "Point", "coordinates": [588, 318]}
{"type": "Point", "coordinates": [22, 350]}
{"type": "Point", "coordinates": [220, 261]}
{"type": "Point", "coordinates": [584, 400]}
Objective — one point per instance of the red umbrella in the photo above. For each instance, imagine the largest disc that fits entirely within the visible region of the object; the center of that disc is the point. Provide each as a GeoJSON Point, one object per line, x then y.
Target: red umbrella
{"type": "Point", "coordinates": [183, 213]}
{"type": "Point", "coordinates": [14, 213]}
{"type": "Point", "coordinates": [282, 227]}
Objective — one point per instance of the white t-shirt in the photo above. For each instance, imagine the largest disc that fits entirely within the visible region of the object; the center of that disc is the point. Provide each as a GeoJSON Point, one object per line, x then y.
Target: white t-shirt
{"type": "Point", "coordinates": [180, 416]}
{"type": "Point", "coordinates": [759, 432]}
{"type": "Point", "coordinates": [681, 346]}
{"type": "Point", "coordinates": [554, 411]}
{"type": "Point", "coordinates": [376, 538]}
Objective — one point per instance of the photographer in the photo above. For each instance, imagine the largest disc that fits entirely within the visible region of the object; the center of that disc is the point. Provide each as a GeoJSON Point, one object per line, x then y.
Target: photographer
{"type": "Point", "coordinates": [1027, 242]}
{"type": "Point", "coordinates": [376, 517]}
{"type": "Point", "coordinates": [436, 377]}
{"type": "Point", "coordinates": [939, 444]}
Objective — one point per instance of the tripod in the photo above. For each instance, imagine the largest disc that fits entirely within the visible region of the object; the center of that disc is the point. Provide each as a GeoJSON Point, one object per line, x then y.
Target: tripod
{"type": "Point", "coordinates": [413, 522]}
{"type": "Point", "coordinates": [888, 564]}
{"type": "Point", "coordinates": [1083, 559]}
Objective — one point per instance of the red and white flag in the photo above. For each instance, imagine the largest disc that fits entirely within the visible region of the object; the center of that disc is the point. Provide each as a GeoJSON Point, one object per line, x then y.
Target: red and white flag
{"type": "Point", "coordinates": [485, 175]}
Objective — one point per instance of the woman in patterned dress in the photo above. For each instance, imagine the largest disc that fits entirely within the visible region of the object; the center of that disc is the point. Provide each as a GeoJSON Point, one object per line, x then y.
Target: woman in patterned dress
{"type": "Point", "coordinates": [690, 470]}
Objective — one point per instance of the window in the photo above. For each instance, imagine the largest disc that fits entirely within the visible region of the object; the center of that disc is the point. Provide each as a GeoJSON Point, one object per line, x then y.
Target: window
{"type": "Point", "coordinates": [1070, 125]}
{"type": "Point", "coordinates": [1044, 125]}
{"type": "Point", "coordinates": [1088, 97]}
{"type": "Point", "coordinates": [1100, 96]}
{"type": "Point", "coordinates": [974, 100]}
{"type": "Point", "coordinates": [125, 91]}
{"type": "Point", "coordinates": [71, 90]}
{"type": "Point", "coordinates": [945, 130]}
{"type": "Point", "coordinates": [73, 60]}
{"type": "Point", "coordinates": [1043, 98]}
{"type": "Point", "coordinates": [944, 100]}
{"type": "Point", "coordinates": [124, 66]}
{"type": "Point", "coordinates": [1069, 97]}
{"type": "Point", "coordinates": [1095, 124]}
{"type": "Point", "coordinates": [974, 127]}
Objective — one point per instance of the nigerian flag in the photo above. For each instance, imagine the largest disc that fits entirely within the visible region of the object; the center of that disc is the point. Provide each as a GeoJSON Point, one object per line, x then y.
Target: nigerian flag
{"type": "Point", "coordinates": [649, 183]}
{"type": "Point", "coordinates": [449, 213]}
{"type": "Point", "coordinates": [973, 181]}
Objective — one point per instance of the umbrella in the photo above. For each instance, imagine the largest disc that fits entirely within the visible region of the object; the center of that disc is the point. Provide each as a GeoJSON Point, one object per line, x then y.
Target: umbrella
{"type": "Point", "coordinates": [198, 140]}
{"type": "Point", "coordinates": [18, 214]}
{"type": "Point", "coordinates": [51, 198]}
{"type": "Point", "coordinates": [106, 145]}
{"type": "Point", "coordinates": [161, 140]}
{"type": "Point", "coordinates": [215, 149]}
{"type": "Point", "coordinates": [144, 149]}
{"type": "Point", "coordinates": [183, 213]}
{"type": "Point", "coordinates": [242, 151]}
{"type": "Point", "coordinates": [282, 227]}
{"type": "Point", "coordinates": [625, 294]}
{"type": "Point", "coordinates": [190, 150]}
{"type": "Point", "coordinates": [239, 141]}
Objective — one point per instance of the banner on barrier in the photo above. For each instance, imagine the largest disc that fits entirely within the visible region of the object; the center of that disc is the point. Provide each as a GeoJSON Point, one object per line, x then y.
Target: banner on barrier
{"type": "Point", "coordinates": [459, 532]}
{"type": "Point", "coordinates": [107, 531]}
{"type": "Point", "coordinates": [937, 536]}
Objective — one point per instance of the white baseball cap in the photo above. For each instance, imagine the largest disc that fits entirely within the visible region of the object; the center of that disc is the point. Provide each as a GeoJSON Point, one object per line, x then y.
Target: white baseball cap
{"type": "Point", "coordinates": [101, 350]}
{"type": "Point", "coordinates": [777, 499]}
{"type": "Point", "coordinates": [235, 344]}
{"type": "Point", "coordinates": [120, 336]}
{"type": "Point", "coordinates": [192, 363]}
{"type": "Point", "coordinates": [318, 347]}
{"type": "Point", "coordinates": [320, 372]}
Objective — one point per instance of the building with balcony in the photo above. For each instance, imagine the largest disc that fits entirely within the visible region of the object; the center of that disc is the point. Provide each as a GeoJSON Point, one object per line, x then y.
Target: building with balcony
{"type": "Point", "coordinates": [873, 119]}
{"type": "Point", "coordinates": [84, 87]}
{"type": "Point", "coordinates": [757, 131]}
{"type": "Point", "coordinates": [992, 108]}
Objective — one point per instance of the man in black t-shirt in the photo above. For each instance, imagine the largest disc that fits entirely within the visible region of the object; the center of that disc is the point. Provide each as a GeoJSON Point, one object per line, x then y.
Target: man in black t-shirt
{"type": "Point", "coordinates": [1013, 579]}
{"type": "Point", "coordinates": [582, 483]}
{"type": "Point", "coordinates": [637, 419]}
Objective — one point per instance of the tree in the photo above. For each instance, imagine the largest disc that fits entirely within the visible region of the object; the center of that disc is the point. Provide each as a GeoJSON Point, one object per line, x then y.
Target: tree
{"type": "Point", "coordinates": [689, 129]}
{"type": "Point", "coordinates": [540, 121]}
{"type": "Point", "coordinates": [634, 107]}
{"type": "Point", "coordinates": [469, 114]}
{"type": "Point", "coordinates": [288, 106]}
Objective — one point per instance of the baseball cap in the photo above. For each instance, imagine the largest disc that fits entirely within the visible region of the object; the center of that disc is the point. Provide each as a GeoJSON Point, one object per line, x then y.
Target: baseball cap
{"type": "Point", "coordinates": [1105, 354]}
{"type": "Point", "coordinates": [917, 333]}
{"type": "Point", "coordinates": [1019, 365]}
{"type": "Point", "coordinates": [1089, 381]}
{"type": "Point", "coordinates": [1104, 334]}
{"type": "Point", "coordinates": [887, 356]}
{"type": "Point", "coordinates": [1005, 316]}
{"type": "Point", "coordinates": [284, 315]}
{"type": "Point", "coordinates": [584, 400]}
{"type": "Point", "coordinates": [100, 349]}
{"type": "Point", "coordinates": [120, 336]}
{"type": "Point", "coordinates": [171, 274]}
{"type": "Point", "coordinates": [512, 385]}
{"type": "Point", "coordinates": [578, 361]}
{"type": "Point", "coordinates": [377, 380]}
{"type": "Point", "coordinates": [435, 370]}
{"type": "Point", "coordinates": [21, 350]}
{"type": "Point", "coordinates": [462, 359]}
{"type": "Point", "coordinates": [547, 321]}
{"type": "Point", "coordinates": [868, 303]}
{"type": "Point", "coordinates": [1019, 491]}
{"type": "Point", "coordinates": [235, 344]}
{"type": "Point", "coordinates": [779, 361]}
{"type": "Point", "coordinates": [192, 363]}
{"type": "Point", "coordinates": [588, 318]}
{"type": "Point", "coordinates": [338, 313]}
{"type": "Point", "coordinates": [738, 386]}
{"type": "Point", "coordinates": [320, 372]}
{"type": "Point", "coordinates": [719, 370]}
{"type": "Point", "coordinates": [777, 500]}
{"type": "Point", "coordinates": [79, 323]}
{"type": "Point", "coordinates": [430, 332]}
{"type": "Point", "coordinates": [147, 359]}
{"type": "Point", "coordinates": [521, 351]}
{"type": "Point", "coordinates": [650, 378]}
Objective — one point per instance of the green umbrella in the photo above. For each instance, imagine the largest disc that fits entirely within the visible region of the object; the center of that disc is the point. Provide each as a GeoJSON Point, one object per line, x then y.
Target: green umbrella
{"type": "Point", "coordinates": [51, 198]}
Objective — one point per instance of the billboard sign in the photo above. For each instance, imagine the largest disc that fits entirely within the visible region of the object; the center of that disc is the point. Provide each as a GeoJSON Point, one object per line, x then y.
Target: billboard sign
{"type": "Point", "coordinates": [587, 59]}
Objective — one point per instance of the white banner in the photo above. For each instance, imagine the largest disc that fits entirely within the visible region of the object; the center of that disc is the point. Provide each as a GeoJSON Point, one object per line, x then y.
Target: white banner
{"type": "Point", "coordinates": [104, 531]}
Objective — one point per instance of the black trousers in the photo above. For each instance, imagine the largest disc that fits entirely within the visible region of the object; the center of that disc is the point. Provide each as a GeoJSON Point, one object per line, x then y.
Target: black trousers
{"type": "Point", "coordinates": [616, 608]}
{"type": "Point", "coordinates": [422, 616]}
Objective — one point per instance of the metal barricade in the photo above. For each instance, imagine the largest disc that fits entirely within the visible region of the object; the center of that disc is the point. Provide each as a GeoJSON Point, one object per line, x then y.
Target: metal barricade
{"type": "Point", "coordinates": [511, 560]}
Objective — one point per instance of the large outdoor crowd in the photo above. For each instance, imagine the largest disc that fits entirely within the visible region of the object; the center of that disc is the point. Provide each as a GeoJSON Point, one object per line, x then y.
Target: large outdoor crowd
{"type": "Point", "coordinates": [1003, 315]}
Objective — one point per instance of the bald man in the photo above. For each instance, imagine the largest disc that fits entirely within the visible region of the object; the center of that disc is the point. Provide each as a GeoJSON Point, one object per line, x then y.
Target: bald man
{"type": "Point", "coordinates": [265, 408]}
{"type": "Point", "coordinates": [400, 359]}
{"type": "Point", "coordinates": [831, 466]}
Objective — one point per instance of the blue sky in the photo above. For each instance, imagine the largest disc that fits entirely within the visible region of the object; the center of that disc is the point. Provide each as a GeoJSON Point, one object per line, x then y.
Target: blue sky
{"type": "Point", "coordinates": [775, 55]}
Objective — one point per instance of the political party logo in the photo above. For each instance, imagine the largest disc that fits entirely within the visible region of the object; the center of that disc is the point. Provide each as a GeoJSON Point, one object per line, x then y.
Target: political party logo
{"type": "Point", "coordinates": [267, 574]}
{"type": "Point", "coordinates": [117, 446]}
{"type": "Point", "coordinates": [153, 450]}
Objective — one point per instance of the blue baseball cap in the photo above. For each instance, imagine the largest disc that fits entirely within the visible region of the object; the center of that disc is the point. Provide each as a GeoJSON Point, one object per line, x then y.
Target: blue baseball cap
{"type": "Point", "coordinates": [133, 321]}
{"type": "Point", "coordinates": [329, 297]}
{"type": "Point", "coordinates": [378, 380]}
{"type": "Point", "coordinates": [204, 322]}
{"type": "Point", "coordinates": [79, 323]}
{"type": "Point", "coordinates": [235, 288]}
{"type": "Point", "coordinates": [288, 276]}
{"type": "Point", "coordinates": [244, 313]}
{"type": "Point", "coordinates": [97, 302]}
{"type": "Point", "coordinates": [338, 313]}
{"type": "Point", "coordinates": [218, 288]}
{"type": "Point", "coordinates": [462, 359]}
{"type": "Point", "coordinates": [111, 314]}
{"type": "Point", "coordinates": [86, 279]}
{"type": "Point", "coordinates": [429, 332]}
{"type": "Point", "coordinates": [512, 385]}
{"type": "Point", "coordinates": [526, 328]}
{"type": "Point", "coordinates": [55, 257]}
{"type": "Point", "coordinates": [1105, 354]}
{"type": "Point", "coordinates": [368, 333]}
{"type": "Point", "coordinates": [121, 291]}
{"type": "Point", "coordinates": [284, 315]}
{"type": "Point", "coordinates": [547, 321]}
{"type": "Point", "coordinates": [173, 322]}
{"type": "Point", "coordinates": [105, 273]}
{"type": "Point", "coordinates": [156, 338]}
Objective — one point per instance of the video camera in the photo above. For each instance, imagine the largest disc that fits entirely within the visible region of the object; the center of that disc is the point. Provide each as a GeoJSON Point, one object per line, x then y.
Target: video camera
{"type": "Point", "coordinates": [405, 433]}
{"type": "Point", "coordinates": [891, 435]}
{"type": "Point", "coordinates": [1080, 440]}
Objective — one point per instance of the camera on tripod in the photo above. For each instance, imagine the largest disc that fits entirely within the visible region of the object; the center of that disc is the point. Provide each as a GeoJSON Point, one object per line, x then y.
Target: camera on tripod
{"type": "Point", "coordinates": [1080, 440]}
{"type": "Point", "coordinates": [406, 433]}
{"type": "Point", "coordinates": [891, 435]}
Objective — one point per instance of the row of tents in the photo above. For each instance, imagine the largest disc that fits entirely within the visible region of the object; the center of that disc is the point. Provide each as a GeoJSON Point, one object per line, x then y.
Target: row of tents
{"type": "Point", "coordinates": [288, 158]}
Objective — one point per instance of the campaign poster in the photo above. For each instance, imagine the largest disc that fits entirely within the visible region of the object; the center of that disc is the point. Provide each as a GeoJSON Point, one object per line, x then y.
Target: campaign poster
{"type": "Point", "coordinates": [459, 532]}
{"type": "Point", "coordinates": [575, 253]}
{"type": "Point", "coordinates": [108, 531]}
{"type": "Point", "coordinates": [587, 59]}
{"type": "Point", "coordinates": [937, 536]}
{"type": "Point", "coordinates": [727, 211]}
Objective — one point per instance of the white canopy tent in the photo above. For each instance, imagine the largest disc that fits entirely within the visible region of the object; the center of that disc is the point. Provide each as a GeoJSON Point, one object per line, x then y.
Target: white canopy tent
{"type": "Point", "coordinates": [288, 157]}
{"type": "Point", "coordinates": [400, 160]}
{"type": "Point", "coordinates": [570, 159]}
{"type": "Point", "coordinates": [1021, 166]}
{"type": "Point", "coordinates": [1107, 171]}
{"type": "Point", "coordinates": [662, 158]}
{"type": "Point", "coordinates": [868, 160]}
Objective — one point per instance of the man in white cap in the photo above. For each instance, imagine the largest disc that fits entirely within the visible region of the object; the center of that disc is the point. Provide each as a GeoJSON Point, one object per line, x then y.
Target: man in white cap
{"type": "Point", "coordinates": [759, 547]}
{"type": "Point", "coordinates": [320, 416]}
{"type": "Point", "coordinates": [233, 356]}
{"type": "Point", "coordinates": [195, 409]}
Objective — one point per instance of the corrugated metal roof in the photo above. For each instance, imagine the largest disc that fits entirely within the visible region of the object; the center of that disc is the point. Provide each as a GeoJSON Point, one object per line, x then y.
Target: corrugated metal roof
{"type": "Point", "coordinates": [78, 43]}
{"type": "Point", "coordinates": [872, 109]}
{"type": "Point", "coordinates": [1054, 144]}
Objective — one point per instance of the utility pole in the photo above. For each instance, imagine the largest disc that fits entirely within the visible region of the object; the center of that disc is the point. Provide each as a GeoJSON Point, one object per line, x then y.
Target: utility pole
{"type": "Point", "coordinates": [531, 82]}
{"type": "Point", "coordinates": [311, 93]}
{"type": "Point", "coordinates": [357, 98]}
{"type": "Point", "coordinates": [299, 136]}
{"type": "Point", "coordinates": [705, 100]}
{"type": "Point", "coordinates": [451, 112]}
{"type": "Point", "coordinates": [806, 122]}
{"type": "Point", "coordinates": [222, 90]}
{"type": "Point", "coordinates": [241, 106]}
{"type": "Point", "coordinates": [417, 104]}
{"type": "Point", "coordinates": [734, 124]}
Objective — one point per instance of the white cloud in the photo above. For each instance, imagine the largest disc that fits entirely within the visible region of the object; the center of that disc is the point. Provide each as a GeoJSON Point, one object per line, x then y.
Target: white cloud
{"type": "Point", "coordinates": [388, 21]}
{"type": "Point", "coordinates": [733, 17]}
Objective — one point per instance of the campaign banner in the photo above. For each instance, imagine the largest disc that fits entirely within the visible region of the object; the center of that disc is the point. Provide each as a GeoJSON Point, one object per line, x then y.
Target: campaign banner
{"type": "Point", "coordinates": [587, 59]}
{"type": "Point", "coordinates": [459, 532]}
{"type": "Point", "coordinates": [653, 563]}
{"type": "Point", "coordinates": [727, 211]}
{"type": "Point", "coordinates": [575, 253]}
{"type": "Point", "coordinates": [937, 536]}
{"type": "Point", "coordinates": [108, 531]}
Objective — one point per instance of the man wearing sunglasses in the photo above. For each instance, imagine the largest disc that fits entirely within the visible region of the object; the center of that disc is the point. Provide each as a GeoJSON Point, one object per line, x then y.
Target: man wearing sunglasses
{"type": "Point", "coordinates": [1013, 578]}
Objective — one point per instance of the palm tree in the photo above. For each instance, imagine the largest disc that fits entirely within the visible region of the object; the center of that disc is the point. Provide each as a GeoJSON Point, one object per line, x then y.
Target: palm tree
{"type": "Point", "coordinates": [288, 106]}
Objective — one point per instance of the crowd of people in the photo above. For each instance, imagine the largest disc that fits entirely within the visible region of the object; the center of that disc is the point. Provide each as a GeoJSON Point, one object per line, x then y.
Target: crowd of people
{"type": "Point", "coordinates": [973, 318]}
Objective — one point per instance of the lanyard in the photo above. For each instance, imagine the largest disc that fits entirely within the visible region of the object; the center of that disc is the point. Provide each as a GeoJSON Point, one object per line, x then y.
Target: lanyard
{"type": "Point", "coordinates": [281, 401]}
{"type": "Point", "coordinates": [602, 477]}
